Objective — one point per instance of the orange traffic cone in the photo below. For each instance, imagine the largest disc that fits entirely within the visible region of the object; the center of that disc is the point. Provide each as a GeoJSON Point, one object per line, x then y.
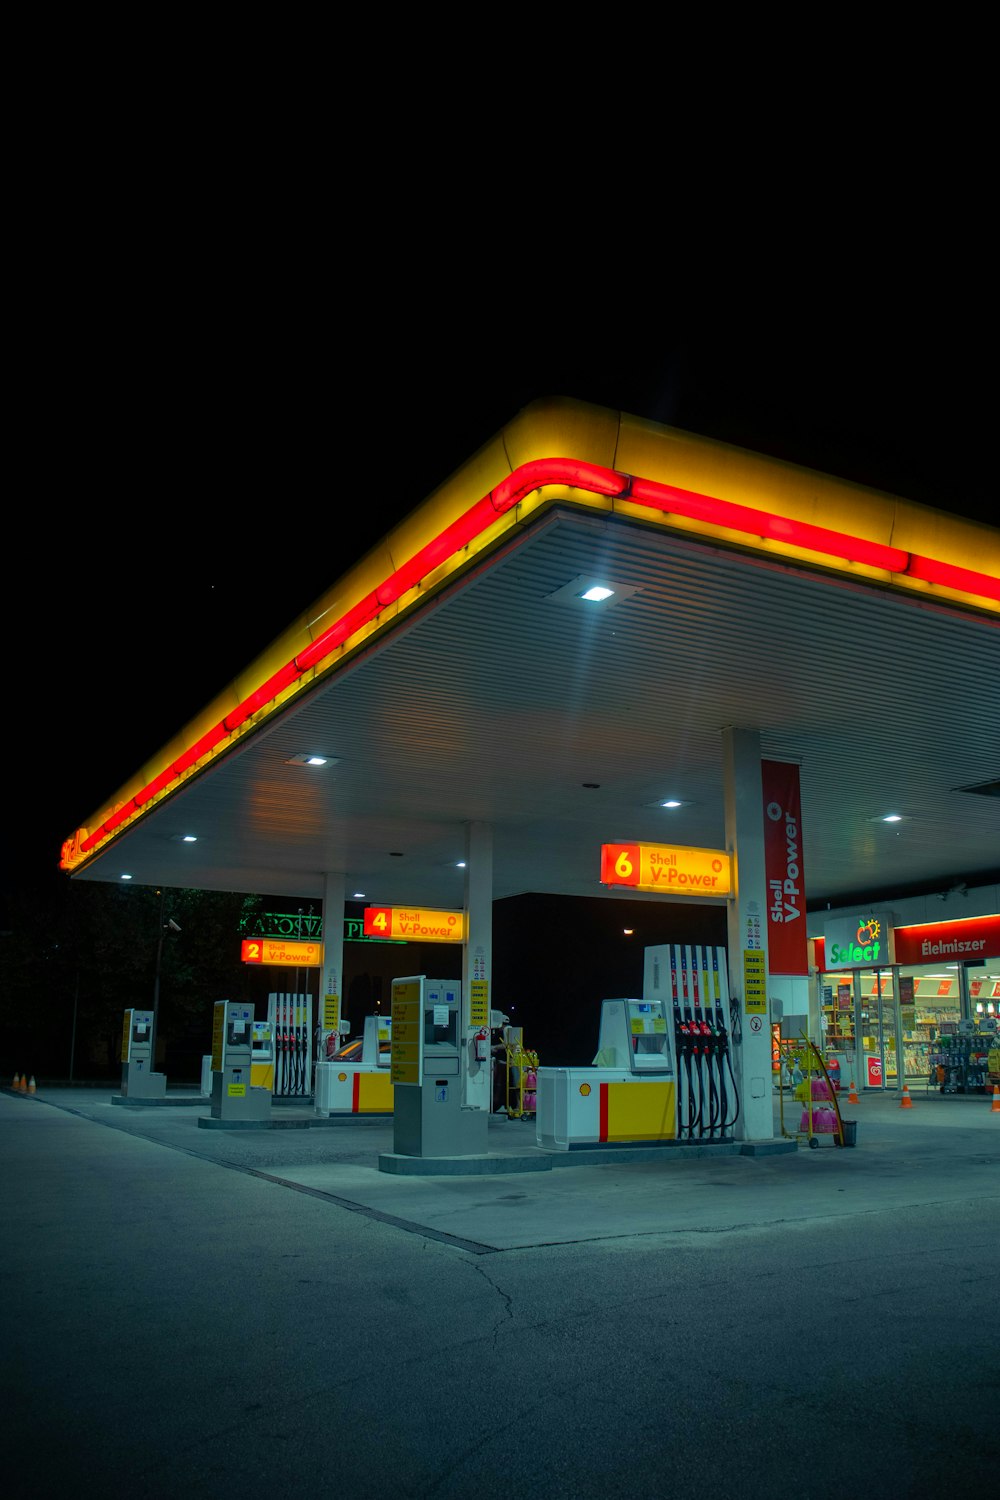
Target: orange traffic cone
{"type": "Point", "coordinates": [31, 1084]}
{"type": "Point", "coordinates": [24, 1083]}
{"type": "Point", "coordinates": [906, 1102]}
{"type": "Point", "coordinates": [17, 1081]}
{"type": "Point", "coordinates": [995, 1106]}
{"type": "Point", "coordinates": [852, 1097]}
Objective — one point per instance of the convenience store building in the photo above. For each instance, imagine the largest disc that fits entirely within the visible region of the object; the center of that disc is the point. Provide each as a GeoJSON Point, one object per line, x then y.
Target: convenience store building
{"type": "Point", "coordinates": [905, 981]}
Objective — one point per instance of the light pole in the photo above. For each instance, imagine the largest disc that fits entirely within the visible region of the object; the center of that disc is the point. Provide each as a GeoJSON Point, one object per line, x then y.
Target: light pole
{"type": "Point", "coordinates": [165, 926]}
{"type": "Point", "coordinates": [72, 1044]}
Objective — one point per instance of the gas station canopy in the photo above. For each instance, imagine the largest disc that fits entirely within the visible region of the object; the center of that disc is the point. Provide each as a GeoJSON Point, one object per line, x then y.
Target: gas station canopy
{"type": "Point", "coordinates": [459, 673]}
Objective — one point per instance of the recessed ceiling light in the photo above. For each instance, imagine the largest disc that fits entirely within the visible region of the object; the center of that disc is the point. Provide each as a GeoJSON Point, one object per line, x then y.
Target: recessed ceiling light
{"type": "Point", "coordinates": [311, 760]}
{"type": "Point", "coordinates": [589, 589]}
{"type": "Point", "coordinates": [889, 818]}
{"type": "Point", "coordinates": [189, 838]}
{"type": "Point", "coordinates": [460, 864]}
{"type": "Point", "coordinates": [359, 896]}
{"type": "Point", "coordinates": [126, 877]}
{"type": "Point", "coordinates": [671, 802]}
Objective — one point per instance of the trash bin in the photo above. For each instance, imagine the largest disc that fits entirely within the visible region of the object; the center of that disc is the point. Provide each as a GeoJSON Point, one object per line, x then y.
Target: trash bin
{"type": "Point", "coordinates": [850, 1132]}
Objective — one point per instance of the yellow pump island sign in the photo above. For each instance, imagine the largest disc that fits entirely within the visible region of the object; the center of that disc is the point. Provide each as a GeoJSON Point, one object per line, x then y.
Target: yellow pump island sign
{"type": "Point", "coordinates": [406, 1043]}
{"type": "Point", "coordinates": [670, 868]}
{"type": "Point", "coordinates": [282, 951]}
{"type": "Point", "coordinates": [415, 924]}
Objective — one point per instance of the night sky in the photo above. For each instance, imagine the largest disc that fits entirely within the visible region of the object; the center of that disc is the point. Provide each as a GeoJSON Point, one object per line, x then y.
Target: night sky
{"type": "Point", "coordinates": [195, 481]}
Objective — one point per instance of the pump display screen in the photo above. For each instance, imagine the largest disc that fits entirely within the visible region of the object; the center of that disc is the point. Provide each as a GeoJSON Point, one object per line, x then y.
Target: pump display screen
{"type": "Point", "coordinates": [440, 1027]}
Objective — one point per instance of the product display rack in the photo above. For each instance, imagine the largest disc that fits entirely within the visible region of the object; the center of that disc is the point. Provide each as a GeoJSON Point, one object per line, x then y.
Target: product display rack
{"type": "Point", "coordinates": [522, 1067]}
{"type": "Point", "coordinates": [922, 1043]}
{"type": "Point", "coordinates": [839, 1035]}
{"type": "Point", "coordinates": [968, 1063]}
{"type": "Point", "coordinates": [817, 1097]}
{"type": "Point", "coordinates": [839, 1028]}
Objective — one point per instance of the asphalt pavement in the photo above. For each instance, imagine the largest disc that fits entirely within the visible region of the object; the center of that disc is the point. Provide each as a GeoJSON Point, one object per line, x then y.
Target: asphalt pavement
{"type": "Point", "coordinates": [192, 1308]}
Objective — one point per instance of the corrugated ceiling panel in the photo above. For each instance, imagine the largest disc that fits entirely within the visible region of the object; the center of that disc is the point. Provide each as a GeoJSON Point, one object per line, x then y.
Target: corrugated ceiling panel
{"type": "Point", "coordinates": [500, 702]}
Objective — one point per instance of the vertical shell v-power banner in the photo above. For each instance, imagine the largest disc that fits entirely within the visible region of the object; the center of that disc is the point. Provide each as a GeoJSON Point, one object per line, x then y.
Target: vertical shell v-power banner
{"type": "Point", "coordinates": [787, 949]}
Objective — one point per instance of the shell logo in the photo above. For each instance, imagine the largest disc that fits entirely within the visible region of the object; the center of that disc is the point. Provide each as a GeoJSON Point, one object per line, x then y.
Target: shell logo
{"type": "Point", "coordinates": [585, 1089]}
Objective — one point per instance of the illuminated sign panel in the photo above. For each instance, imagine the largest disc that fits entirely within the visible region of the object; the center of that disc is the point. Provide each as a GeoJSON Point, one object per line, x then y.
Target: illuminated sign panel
{"type": "Point", "coordinates": [299, 925]}
{"type": "Point", "coordinates": [415, 924]}
{"type": "Point", "coordinates": [667, 867]}
{"type": "Point", "coordinates": [861, 941]}
{"type": "Point", "coordinates": [754, 982]}
{"type": "Point", "coordinates": [282, 924]}
{"type": "Point", "coordinates": [276, 950]}
{"type": "Point", "coordinates": [965, 938]}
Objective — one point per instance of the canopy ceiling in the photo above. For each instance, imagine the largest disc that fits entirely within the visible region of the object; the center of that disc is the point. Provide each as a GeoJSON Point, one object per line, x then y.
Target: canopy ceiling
{"type": "Point", "coordinates": [494, 693]}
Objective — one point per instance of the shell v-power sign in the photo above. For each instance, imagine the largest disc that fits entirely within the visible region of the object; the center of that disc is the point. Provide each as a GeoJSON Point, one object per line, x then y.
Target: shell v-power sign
{"type": "Point", "coordinates": [667, 867]}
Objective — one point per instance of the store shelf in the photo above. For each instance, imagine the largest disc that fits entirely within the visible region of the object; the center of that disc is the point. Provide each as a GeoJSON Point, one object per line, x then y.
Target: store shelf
{"type": "Point", "coordinates": [964, 1064]}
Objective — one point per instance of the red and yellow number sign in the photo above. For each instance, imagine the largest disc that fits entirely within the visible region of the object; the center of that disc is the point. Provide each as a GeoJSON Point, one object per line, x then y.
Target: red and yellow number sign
{"type": "Point", "coordinates": [415, 925]}
{"type": "Point", "coordinates": [275, 950]}
{"type": "Point", "coordinates": [667, 867]}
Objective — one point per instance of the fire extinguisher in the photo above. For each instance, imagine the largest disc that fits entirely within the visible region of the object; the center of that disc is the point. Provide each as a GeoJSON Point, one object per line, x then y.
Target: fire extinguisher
{"type": "Point", "coordinates": [482, 1045]}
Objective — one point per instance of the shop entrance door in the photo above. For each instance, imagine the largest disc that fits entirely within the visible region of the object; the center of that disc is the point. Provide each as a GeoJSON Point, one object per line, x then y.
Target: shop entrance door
{"type": "Point", "coordinates": [879, 1030]}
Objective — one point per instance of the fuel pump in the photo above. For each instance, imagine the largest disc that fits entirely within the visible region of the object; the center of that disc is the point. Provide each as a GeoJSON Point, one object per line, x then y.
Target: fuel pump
{"type": "Point", "coordinates": [355, 1078]}
{"type": "Point", "coordinates": [707, 1097]}
{"type": "Point", "coordinates": [724, 1057]}
{"type": "Point", "coordinates": [138, 1079]}
{"type": "Point", "coordinates": [290, 1016]}
{"type": "Point", "coordinates": [689, 1104]}
{"type": "Point", "coordinates": [235, 1099]}
{"type": "Point", "coordinates": [429, 1118]}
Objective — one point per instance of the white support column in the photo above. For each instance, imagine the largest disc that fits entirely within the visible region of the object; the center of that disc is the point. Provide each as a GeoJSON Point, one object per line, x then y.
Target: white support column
{"type": "Point", "coordinates": [331, 996]}
{"type": "Point", "coordinates": [477, 961]}
{"type": "Point", "coordinates": [747, 913]}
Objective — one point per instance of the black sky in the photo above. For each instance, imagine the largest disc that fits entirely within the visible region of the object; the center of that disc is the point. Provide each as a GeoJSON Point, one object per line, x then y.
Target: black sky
{"type": "Point", "coordinates": [195, 480]}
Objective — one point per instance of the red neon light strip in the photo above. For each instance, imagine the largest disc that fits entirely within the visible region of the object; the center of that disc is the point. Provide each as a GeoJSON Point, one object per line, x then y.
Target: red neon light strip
{"type": "Point", "coordinates": [603, 1127]}
{"type": "Point", "coordinates": [356, 1093]}
{"type": "Point", "coordinates": [931, 571]}
{"type": "Point", "coordinates": [762, 523]}
{"type": "Point", "coordinates": [593, 479]}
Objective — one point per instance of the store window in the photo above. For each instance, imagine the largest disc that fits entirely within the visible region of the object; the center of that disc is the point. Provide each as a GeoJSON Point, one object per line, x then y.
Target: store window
{"type": "Point", "coordinates": [930, 1013]}
{"type": "Point", "coordinates": [984, 990]}
{"type": "Point", "coordinates": [914, 1008]}
{"type": "Point", "coordinates": [837, 1025]}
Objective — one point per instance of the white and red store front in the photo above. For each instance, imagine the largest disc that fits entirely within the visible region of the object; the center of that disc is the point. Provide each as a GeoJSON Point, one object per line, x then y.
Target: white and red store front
{"type": "Point", "coordinates": [912, 1004]}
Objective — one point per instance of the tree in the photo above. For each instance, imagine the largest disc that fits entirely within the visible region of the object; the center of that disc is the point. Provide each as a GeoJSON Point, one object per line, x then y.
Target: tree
{"type": "Point", "coordinates": [72, 964]}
